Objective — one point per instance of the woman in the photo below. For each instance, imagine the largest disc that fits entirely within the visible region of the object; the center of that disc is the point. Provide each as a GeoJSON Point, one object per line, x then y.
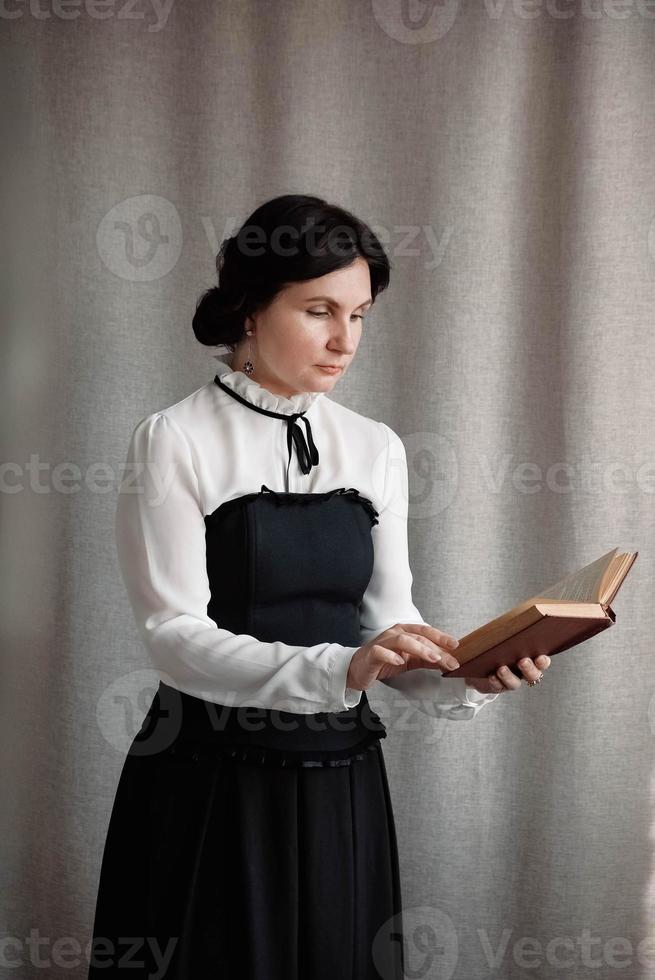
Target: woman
{"type": "Point", "coordinates": [262, 537]}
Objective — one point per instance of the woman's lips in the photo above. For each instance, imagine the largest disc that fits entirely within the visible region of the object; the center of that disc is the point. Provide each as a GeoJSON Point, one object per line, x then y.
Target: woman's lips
{"type": "Point", "coordinates": [329, 369]}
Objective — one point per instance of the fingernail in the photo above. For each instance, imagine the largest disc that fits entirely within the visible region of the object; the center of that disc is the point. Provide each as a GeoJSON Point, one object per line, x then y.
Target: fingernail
{"type": "Point", "coordinates": [434, 656]}
{"type": "Point", "coordinates": [524, 663]}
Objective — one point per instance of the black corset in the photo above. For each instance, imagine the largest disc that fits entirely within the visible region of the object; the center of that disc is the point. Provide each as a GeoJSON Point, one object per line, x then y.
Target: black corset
{"type": "Point", "coordinates": [291, 567]}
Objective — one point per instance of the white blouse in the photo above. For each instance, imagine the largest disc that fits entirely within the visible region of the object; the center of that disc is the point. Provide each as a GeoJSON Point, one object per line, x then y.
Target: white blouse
{"type": "Point", "coordinates": [185, 461]}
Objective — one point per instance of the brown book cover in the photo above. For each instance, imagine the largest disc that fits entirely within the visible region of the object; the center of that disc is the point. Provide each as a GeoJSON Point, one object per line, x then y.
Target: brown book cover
{"type": "Point", "coordinates": [558, 618]}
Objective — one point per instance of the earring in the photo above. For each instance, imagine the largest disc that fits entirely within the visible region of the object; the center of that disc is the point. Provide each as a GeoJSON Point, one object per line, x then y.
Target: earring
{"type": "Point", "coordinates": [248, 366]}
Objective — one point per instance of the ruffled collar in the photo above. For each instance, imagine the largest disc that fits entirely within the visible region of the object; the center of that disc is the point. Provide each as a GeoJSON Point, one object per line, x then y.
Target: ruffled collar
{"type": "Point", "coordinates": [255, 393]}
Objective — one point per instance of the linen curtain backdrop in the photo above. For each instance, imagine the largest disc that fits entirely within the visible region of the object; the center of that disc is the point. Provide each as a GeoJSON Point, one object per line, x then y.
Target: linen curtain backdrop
{"type": "Point", "coordinates": [504, 153]}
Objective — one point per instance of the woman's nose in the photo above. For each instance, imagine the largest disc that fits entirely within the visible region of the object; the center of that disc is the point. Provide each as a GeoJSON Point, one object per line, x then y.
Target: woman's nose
{"type": "Point", "coordinates": [345, 337]}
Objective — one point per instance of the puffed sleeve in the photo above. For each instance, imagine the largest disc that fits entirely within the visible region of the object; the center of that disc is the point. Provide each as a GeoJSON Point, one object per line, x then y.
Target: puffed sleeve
{"type": "Point", "coordinates": [160, 540]}
{"type": "Point", "coordinates": [388, 598]}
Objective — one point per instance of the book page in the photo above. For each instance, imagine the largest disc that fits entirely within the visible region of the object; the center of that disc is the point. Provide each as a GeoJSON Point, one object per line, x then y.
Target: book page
{"type": "Point", "coordinates": [581, 586]}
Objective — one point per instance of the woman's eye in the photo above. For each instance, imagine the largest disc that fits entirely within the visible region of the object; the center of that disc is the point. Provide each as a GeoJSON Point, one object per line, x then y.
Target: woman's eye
{"type": "Point", "coordinates": [357, 316]}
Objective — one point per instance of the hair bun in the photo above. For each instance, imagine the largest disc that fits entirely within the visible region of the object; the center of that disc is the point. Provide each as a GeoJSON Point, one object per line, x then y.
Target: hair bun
{"type": "Point", "coordinates": [215, 320]}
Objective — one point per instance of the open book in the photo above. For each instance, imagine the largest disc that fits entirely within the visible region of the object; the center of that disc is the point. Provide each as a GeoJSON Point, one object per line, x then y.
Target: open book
{"type": "Point", "coordinates": [556, 619]}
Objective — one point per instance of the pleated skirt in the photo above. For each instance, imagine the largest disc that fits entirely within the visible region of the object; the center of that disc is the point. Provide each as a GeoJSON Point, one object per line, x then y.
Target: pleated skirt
{"type": "Point", "coordinates": [215, 866]}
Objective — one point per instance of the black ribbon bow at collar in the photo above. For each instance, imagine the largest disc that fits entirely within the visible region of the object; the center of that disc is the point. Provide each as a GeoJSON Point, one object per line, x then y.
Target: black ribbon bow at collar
{"type": "Point", "coordinates": [307, 454]}
{"type": "Point", "coordinates": [306, 450]}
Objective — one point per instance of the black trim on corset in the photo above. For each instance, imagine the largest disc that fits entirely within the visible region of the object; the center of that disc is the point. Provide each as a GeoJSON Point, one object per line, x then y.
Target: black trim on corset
{"type": "Point", "coordinates": [275, 757]}
{"type": "Point", "coordinates": [316, 496]}
{"type": "Point", "coordinates": [302, 498]}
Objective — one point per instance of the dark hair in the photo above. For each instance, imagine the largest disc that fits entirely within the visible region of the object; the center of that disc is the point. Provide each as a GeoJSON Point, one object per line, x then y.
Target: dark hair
{"type": "Point", "coordinates": [255, 264]}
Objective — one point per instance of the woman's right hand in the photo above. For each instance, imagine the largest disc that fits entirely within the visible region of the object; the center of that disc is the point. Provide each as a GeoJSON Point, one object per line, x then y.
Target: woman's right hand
{"type": "Point", "coordinates": [404, 646]}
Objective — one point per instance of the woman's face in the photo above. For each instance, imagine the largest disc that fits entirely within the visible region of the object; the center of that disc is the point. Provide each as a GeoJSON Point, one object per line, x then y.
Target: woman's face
{"type": "Point", "coordinates": [318, 322]}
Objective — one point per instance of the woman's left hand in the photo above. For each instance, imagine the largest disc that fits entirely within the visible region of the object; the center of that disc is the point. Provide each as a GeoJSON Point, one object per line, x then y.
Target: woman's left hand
{"type": "Point", "coordinates": [505, 680]}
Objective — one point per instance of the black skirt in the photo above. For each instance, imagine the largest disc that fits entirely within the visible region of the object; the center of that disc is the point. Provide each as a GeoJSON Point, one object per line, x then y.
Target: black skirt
{"type": "Point", "coordinates": [259, 852]}
{"type": "Point", "coordinates": [222, 861]}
